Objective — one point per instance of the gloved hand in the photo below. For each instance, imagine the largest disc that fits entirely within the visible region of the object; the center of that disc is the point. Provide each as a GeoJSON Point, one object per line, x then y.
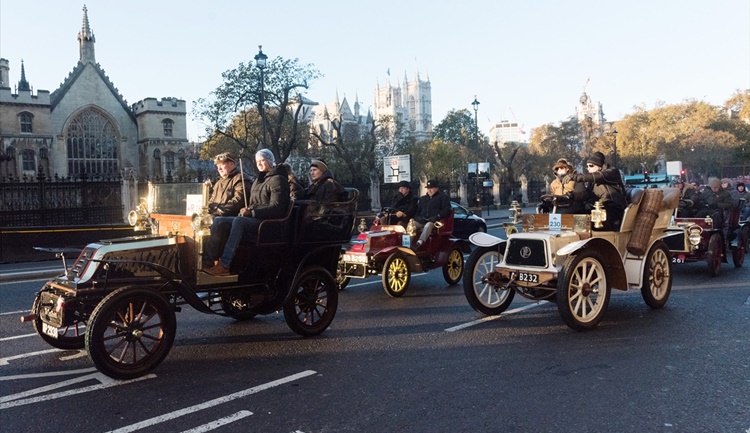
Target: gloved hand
{"type": "Point", "coordinates": [400, 214]}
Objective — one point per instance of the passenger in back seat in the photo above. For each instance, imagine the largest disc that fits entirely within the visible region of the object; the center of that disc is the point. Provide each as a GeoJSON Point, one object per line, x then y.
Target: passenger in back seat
{"type": "Point", "coordinates": [605, 184]}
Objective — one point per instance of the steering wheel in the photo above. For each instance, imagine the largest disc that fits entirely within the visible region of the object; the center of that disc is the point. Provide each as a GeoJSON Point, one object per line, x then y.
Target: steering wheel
{"type": "Point", "coordinates": [557, 200]}
{"type": "Point", "coordinates": [387, 210]}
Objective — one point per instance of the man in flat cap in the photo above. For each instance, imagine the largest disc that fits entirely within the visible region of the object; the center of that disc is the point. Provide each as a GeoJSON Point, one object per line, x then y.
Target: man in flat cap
{"type": "Point", "coordinates": [431, 208]}
{"type": "Point", "coordinates": [404, 204]}
{"type": "Point", "coordinates": [228, 193]}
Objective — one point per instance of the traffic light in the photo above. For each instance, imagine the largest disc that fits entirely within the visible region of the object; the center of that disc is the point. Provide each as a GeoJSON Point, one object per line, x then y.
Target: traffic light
{"type": "Point", "coordinates": [682, 175]}
{"type": "Point", "coordinates": [645, 176]}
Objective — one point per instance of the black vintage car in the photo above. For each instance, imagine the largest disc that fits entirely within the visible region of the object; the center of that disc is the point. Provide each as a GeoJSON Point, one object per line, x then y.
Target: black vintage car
{"type": "Point", "coordinates": [466, 222]}
{"type": "Point", "coordinates": [119, 298]}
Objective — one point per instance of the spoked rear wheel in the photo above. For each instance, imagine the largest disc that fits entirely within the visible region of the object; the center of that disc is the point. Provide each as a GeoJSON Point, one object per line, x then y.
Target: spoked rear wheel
{"type": "Point", "coordinates": [130, 332]}
{"type": "Point", "coordinates": [312, 306]}
{"type": "Point", "coordinates": [453, 267]}
{"type": "Point", "coordinates": [396, 275]}
{"type": "Point", "coordinates": [583, 291]}
{"type": "Point", "coordinates": [715, 254]}
{"type": "Point", "coordinates": [657, 276]}
{"type": "Point", "coordinates": [738, 254]}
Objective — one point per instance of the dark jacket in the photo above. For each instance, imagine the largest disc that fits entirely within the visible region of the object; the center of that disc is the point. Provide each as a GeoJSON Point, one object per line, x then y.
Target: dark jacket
{"type": "Point", "coordinates": [269, 196]}
{"type": "Point", "coordinates": [433, 208]}
{"type": "Point", "coordinates": [607, 186]}
{"type": "Point", "coordinates": [227, 195]}
{"type": "Point", "coordinates": [296, 190]}
{"type": "Point", "coordinates": [406, 204]}
{"type": "Point", "coordinates": [721, 199]}
{"type": "Point", "coordinates": [325, 189]}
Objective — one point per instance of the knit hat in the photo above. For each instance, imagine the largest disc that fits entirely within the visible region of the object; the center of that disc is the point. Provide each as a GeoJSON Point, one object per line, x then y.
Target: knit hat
{"type": "Point", "coordinates": [320, 164]}
{"type": "Point", "coordinates": [267, 155]}
{"type": "Point", "coordinates": [597, 159]}
{"type": "Point", "coordinates": [714, 182]}
{"type": "Point", "coordinates": [562, 162]}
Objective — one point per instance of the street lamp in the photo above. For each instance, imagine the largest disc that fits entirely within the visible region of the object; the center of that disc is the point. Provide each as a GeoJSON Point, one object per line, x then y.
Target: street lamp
{"type": "Point", "coordinates": [614, 158]}
{"type": "Point", "coordinates": [475, 104]}
{"type": "Point", "coordinates": [260, 61]}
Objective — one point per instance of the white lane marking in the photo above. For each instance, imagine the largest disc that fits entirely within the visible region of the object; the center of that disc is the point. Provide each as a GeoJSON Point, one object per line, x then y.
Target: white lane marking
{"type": "Point", "coordinates": [48, 374]}
{"type": "Point", "coordinates": [219, 422]}
{"type": "Point", "coordinates": [15, 312]}
{"type": "Point", "coordinates": [488, 318]}
{"type": "Point", "coordinates": [368, 281]}
{"type": "Point", "coordinates": [4, 361]}
{"type": "Point", "coordinates": [17, 336]}
{"type": "Point", "coordinates": [43, 389]}
{"type": "Point", "coordinates": [105, 382]}
{"type": "Point", "coordinates": [211, 403]}
{"type": "Point", "coordinates": [80, 354]}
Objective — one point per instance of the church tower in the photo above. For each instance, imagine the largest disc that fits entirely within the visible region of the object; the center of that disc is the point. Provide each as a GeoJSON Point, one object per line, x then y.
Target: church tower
{"type": "Point", "coordinates": [410, 105]}
{"type": "Point", "coordinates": [86, 41]}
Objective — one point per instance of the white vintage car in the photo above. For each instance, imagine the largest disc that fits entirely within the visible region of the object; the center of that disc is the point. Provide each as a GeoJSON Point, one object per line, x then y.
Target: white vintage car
{"type": "Point", "coordinates": [563, 258]}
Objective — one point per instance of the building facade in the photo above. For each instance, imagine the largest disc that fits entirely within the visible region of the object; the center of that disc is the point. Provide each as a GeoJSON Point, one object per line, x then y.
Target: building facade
{"type": "Point", "coordinates": [409, 104]}
{"type": "Point", "coordinates": [85, 127]}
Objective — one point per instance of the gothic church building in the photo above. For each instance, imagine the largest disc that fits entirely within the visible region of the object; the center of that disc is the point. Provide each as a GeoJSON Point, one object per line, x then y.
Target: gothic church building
{"type": "Point", "coordinates": [86, 127]}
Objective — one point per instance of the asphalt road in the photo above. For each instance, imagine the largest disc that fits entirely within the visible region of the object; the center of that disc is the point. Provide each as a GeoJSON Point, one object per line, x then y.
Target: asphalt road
{"type": "Point", "coordinates": [425, 362]}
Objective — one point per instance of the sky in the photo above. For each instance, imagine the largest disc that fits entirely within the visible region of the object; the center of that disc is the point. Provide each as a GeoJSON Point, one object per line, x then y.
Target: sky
{"type": "Point", "coordinates": [527, 61]}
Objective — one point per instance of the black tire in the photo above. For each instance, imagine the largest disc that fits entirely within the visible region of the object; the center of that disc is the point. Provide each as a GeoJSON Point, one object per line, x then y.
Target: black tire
{"type": "Point", "coordinates": [484, 297]}
{"type": "Point", "coordinates": [583, 291]}
{"type": "Point", "coordinates": [738, 254]}
{"type": "Point", "coordinates": [236, 305]}
{"type": "Point", "coordinates": [453, 268]}
{"type": "Point", "coordinates": [71, 337]}
{"type": "Point", "coordinates": [657, 276]}
{"type": "Point", "coordinates": [130, 332]}
{"type": "Point", "coordinates": [396, 275]}
{"type": "Point", "coordinates": [312, 306]}
{"type": "Point", "coordinates": [714, 254]}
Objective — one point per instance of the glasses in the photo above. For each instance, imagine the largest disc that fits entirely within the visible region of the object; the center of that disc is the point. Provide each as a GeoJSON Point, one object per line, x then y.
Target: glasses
{"type": "Point", "coordinates": [590, 165]}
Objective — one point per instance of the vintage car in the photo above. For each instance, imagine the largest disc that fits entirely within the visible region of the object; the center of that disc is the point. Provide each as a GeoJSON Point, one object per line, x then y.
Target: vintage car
{"type": "Point", "coordinates": [466, 222]}
{"type": "Point", "coordinates": [563, 258]}
{"type": "Point", "coordinates": [119, 298]}
{"type": "Point", "coordinates": [387, 250]}
{"type": "Point", "coordinates": [698, 239]}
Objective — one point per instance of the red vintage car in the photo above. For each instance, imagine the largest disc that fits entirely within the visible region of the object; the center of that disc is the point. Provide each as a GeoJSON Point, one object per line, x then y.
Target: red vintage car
{"type": "Point", "coordinates": [387, 250]}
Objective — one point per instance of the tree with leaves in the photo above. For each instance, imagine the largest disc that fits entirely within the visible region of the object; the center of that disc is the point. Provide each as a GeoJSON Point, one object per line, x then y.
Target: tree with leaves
{"type": "Point", "coordinates": [232, 113]}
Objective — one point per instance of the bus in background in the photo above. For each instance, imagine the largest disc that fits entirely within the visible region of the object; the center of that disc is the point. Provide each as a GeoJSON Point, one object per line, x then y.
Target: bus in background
{"type": "Point", "coordinates": [648, 180]}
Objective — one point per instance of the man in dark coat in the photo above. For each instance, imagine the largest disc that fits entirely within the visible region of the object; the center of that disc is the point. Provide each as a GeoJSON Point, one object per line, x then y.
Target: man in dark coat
{"type": "Point", "coordinates": [714, 201]}
{"type": "Point", "coordinates": [431, 207]}
{"type": "Point", "coordinates": [604, 183]}
{"type": "Point", "coordinates": [228, 193]}
{"type": "Point", "coordinates": [269, 198]}
{"type": "Point", "coordinates": [322, 186]}
{"type": "Point", "coordinates": [404, 205]}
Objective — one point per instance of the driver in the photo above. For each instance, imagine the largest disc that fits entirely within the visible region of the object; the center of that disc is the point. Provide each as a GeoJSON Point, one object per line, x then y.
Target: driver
{"type": "Point", "coordinates": [404, 206]}
{"type": "Point", "coordinates": [565, 184]}
{"type": "Point", "coordinates": [431, 207]}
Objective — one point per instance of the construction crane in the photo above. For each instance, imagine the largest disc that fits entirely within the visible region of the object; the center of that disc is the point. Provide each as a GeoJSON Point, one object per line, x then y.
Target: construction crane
{"type": "Point", "coordinates": [520, 126]}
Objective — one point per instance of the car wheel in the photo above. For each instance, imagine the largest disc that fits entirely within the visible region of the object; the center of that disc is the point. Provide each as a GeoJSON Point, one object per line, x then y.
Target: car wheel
{"type": "Point", "coordinates": [482, 296]}
{"type": "Point", "coordinates": [453, 267]}
{"type": "Point", "coordinates": [738, 254]}
{"type": "Point", "coordinates": [657, 276]}
{"type": "Point", "coordinates": [313, 303]}
{"type": "Point", "coordinates": [583, 291]}
{"type": "Point", "coordinates": [396, 275]}
{"type": "Point", "coordinates": [130, 332]}
{"type": "Point", "coordinates": [714, 254]}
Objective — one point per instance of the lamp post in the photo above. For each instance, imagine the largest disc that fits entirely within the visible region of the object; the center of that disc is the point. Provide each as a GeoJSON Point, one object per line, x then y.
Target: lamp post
{"type": "Point", "coordinates": [475, 104]}
{"type": "Point", "coordinates": [260, 61]}
{"type": "Point", "coordinates": [614, 158]}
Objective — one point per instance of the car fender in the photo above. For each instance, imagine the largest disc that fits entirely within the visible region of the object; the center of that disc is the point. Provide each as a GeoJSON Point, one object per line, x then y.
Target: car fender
{"type": "Point", "coordinates": [482, 239]}
{"type": "Point", "coordinates": [415, 265]}
{"type": "Point", "coordinates": [612, 259]}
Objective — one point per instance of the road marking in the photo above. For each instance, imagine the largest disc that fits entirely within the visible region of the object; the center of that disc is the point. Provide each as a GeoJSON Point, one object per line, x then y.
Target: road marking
{"type": "Point", "coordinates": [80, 354]}
{"type": "Point", "coordinates": [219, 422]}
{"type": "Point", "coordinates": [48, 374]}
{"type": "Point", "coordinates": [105, 382]}
{"type": "Point", "coordinates": [17, 336]}
{"type": "Point", "coordinates": [211, 403]}
{"type": "Point", "coordinates": [4, 361]}
{"type": "Point", "coordinates": [488, 318]}
{"type": "Point", "coordinates": [15, 312]}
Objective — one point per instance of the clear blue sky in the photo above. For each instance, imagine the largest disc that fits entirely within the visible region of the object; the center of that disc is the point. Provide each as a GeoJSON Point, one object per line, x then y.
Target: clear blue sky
{"type": "Point", "coordinates": [533, 57]}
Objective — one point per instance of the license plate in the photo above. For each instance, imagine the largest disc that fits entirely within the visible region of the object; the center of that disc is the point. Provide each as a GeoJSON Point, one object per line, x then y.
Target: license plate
{"type": "Point", "coordinates": [406, 241]}
{"type": "Point", "coordinates": [528, 278]}
{"type": "Point", "coordinates": [680, 258]}
{"type": "Point", "coordinates": [49, 330]}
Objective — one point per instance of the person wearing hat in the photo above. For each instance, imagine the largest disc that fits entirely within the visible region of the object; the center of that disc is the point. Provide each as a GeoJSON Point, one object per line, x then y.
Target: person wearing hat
{"type": "Point", "coordinates": [228, 193]}
{"type": "Point", "coordinates": [564, 184]}
{"type": "Point", "coordinates": [604, 183]}
{"type": "Point", "coordinates": [268, 199]}
{"type": "Point", "coordinates": [323, 187]}
{"type": "Point", "coordinates": [404, 204]}
{"type": "Point", "coordinates": [689, 198]}
{"type": "Point", "coordinates": [740, 193]}
{"type": "Point", "coordinates": [714, 201]}
{"type": "Point", "coordinates": [431, 207]}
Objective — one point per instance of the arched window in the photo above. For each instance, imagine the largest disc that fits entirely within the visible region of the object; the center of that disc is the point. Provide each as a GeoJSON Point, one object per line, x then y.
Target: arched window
{"type": "Point", "coordinates": [92, 144]}
{"type": "Point", "coordinates": [167, 127]}
{"type": "Point", "coordinates": [26, 122]}
{"type": "Point", "coordinates": [28, 163]}
{"type": "Point", "coordinates": [169, 162]}
{"type": "Point", "coordinates": [157, 163]}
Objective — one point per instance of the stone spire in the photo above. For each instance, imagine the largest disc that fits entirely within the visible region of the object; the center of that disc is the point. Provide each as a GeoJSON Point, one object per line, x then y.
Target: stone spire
{"type": "Point", "coordinates": [23, 85]}
{"type": "Point", "coordinates": [86, 40]}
